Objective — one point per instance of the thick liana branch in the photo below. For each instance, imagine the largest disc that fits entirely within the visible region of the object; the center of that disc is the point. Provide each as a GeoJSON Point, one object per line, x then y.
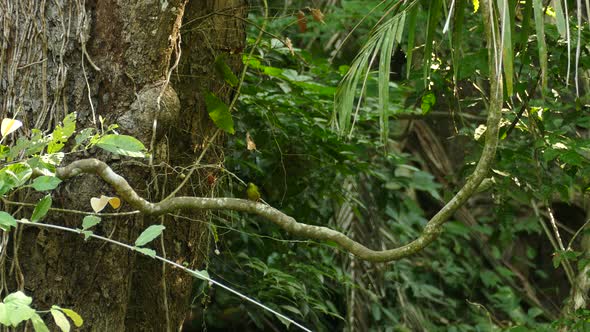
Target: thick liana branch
{"type": "Point", "coordinates": [430, 233]}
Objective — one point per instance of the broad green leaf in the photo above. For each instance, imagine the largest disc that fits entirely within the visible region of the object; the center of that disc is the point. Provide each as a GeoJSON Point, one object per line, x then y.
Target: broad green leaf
{"type": "Point", "coordinates": [60, 320]}
{"type": "Point", "coordinates": [90, 221]}
{"type": "Point", "coordinates": [74, 316]}
{"type": "Point", "coordinates": [149, 234]}
{"type": "Point", "coordinates": [62, 133]}
{"type": "Point", "coordinates": [6, 220]}
{"type": "Point", "coordinates": [428, 100]}
{"type": "Point", "coordinates": [146, 251]}
{"type": "Point", "coordinates": [122, 144]}
{"type": "Point", "coordinates": [45, 183]}
{"type": "Point", "coordinates": [38, 324]}
{"type": "Point", "coordinates": [15, 309]}
{"type": "Point", "coordinates": [219, 113]}
{"type": "Point", "coordinates": [224, 71]}
{"type": "Point", "coordinates": [41, 208]}
{"type": "Point", "coordinates": [13, 176]}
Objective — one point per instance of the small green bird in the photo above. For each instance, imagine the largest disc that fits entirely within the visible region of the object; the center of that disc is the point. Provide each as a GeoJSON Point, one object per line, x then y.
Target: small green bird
{"type": "Point", "coordinates": [252, 192]}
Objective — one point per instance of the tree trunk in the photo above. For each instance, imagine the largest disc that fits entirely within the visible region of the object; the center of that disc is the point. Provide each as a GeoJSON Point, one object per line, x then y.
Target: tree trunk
{"type": "Point", "coordinates": [110, 59]}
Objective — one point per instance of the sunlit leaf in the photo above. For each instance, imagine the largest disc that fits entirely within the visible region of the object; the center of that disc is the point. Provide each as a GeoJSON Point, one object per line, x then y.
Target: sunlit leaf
{"type": "Point", "coordinates": [60, 320]}
{"type": "Point", "coordinates": [146, 251]}
{"type": "Point", "coordinates": [149, 234]}
{"type": "Point", "coordinates": [98, 204]}
{"type": "Point", "coordinates": [74, 316]}
{"type": "Point", "coordinates": [9, 126]}
{"type": "Point", "coordinates": [38, 324]}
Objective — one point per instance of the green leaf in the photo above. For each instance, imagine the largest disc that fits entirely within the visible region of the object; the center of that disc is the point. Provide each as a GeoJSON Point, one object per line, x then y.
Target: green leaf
{"type": "Point", "coordinates": [14, 176]}
{"type": "Point", "coordinates": [149, 234]}
{"type": "Point", "coordinates": [203, 274]}
{"type": "Point", "coordinates": [146, 251]}
{"type": "Point", "coordinates": [87, 234]}
{"type": "Point", "coordinates": [74, 316]}
{"type": "Point", "coordinates": [61, 134]}
{"type": "Point", "coordinates": [224, 71]}
{"type": "Point", "coordinates": [41, 208]}
{"type": "Point", "coordinates": [45, 183]}
{"type": "Point", "coordinates": [90, 221]}
{"type": "Point", "coordinates": [15, 309]}
{"type": "Point", "coordinates": [428, 100]}
{"type": "Point", "coordinates": [6, 220]}
{"type": "Point", "coordinates": [60, 320]}
{"type": "Point", "coordinates": [219, 113]}
{"type": "Point", "coordinates": [122, 144]}
{"type": "Point", "coordinates": [38, 324]}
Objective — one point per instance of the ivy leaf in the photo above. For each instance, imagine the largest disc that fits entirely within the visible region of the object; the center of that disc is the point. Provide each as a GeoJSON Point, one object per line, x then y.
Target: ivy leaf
{"type": "Point", "coordinates": [149, 234]}
{"type": "Point", "coordinates": [60, 320]}
{"type": "Point", "coordinates": [90, 221]}
{"type": "Point", "coordinates": [45, 183]}
{"type": "Point", "coordinates": [6, 220]}
{"type": "Point", "coordinates": [219, 113]}
{"type": "Point", "coordinates": [122, 144]}
{"type": "Point", "coordinates": [41, 208]}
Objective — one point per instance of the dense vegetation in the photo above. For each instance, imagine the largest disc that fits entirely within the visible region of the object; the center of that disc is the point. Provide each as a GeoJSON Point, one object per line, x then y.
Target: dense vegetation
{"type": "Point", "coordinates": [367, 117]}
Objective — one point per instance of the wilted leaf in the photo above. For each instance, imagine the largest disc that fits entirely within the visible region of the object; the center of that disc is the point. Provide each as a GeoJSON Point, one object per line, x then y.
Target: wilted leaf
{"type": "Point", "coordinates": [250, 145]}
{"type": "Point", "coordinates": [301, 21]}
{"type": "Point", "coordinates": [98, 204]}
{"type": "Point", "coordinates": [289, 45]}
{"type": "Point", "coordinates": [317, 15]}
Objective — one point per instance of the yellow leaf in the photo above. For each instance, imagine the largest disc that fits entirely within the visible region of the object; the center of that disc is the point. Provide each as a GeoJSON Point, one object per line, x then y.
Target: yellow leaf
{"type": "Point", "coordinates": [475, 5]}
{"type": "Point", "coordinates": [115, 202]}
{"type": "Point", "coordinates": [98, 204]}
{"type": "Point", "coordinates": [250, 145]}
{"type": "Point", "coordinates": [9, 126]}
{"type": "Point", "coordinates": [77, 319]}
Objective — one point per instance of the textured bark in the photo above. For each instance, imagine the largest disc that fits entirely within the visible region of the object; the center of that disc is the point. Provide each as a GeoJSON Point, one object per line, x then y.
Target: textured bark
{"type": "Point", "coordinates": [57, 57]}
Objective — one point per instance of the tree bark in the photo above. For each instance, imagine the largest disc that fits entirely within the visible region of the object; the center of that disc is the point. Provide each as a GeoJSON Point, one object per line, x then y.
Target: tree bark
{"type": "Point", "coordinates": [111, 59]}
